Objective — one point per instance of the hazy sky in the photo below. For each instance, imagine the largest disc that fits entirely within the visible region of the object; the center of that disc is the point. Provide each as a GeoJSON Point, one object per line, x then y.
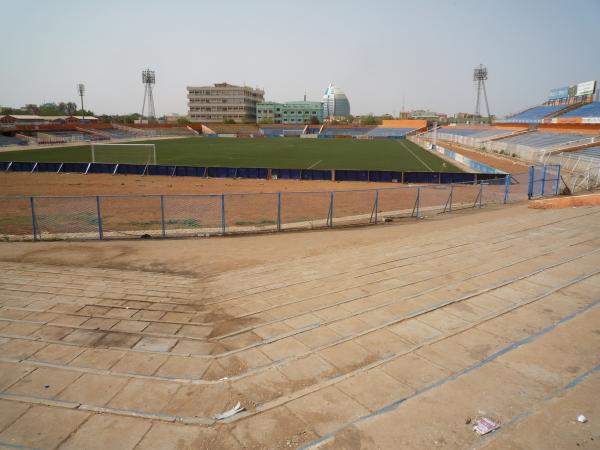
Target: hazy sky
{"type": "Point", "coordinates": [377, 51]}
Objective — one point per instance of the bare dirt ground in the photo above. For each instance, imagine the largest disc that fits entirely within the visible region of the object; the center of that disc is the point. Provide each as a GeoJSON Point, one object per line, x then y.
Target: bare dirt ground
{"type": "Point", "coordinates": [248, 206]}
{"type": "Point", "coordinates": [397, 336]}
{"type": "Point", "coordinates": [98, 184]}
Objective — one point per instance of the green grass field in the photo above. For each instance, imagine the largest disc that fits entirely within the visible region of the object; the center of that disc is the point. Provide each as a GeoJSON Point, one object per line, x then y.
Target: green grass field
{"type": "Point", "coordinates": [284, 153]}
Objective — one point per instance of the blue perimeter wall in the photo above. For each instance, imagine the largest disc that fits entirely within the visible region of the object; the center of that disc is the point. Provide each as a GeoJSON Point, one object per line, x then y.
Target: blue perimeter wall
{"type": "Point", "coordinates": [256, 173]}
{"type": "Point", "coordinates": [475, 165]}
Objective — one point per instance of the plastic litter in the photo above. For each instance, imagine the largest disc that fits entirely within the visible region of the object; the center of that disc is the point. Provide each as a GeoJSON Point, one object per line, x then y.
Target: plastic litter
{"type": "Point", "coordinates": [236, 409]}
{"type": "Point", "coordinates": [581, 418]}
{"type": "Point", "coordinates": [484, 426]}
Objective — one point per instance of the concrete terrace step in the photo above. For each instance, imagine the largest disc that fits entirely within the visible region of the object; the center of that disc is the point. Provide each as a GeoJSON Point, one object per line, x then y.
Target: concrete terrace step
{"type": "Point", "coordinates": [314, 349]}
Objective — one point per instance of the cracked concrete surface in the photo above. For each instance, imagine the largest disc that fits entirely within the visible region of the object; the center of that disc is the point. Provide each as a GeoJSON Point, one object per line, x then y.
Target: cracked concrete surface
{"type": "Point", "coordinates": [386, 337]}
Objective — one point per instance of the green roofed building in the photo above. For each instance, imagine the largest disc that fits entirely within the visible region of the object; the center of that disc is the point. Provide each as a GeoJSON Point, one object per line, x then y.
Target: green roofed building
{"type": "Point", "coordinates": [291, 112]}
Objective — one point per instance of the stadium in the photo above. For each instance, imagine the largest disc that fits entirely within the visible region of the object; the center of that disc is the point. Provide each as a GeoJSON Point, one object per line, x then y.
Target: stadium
{"type": "Point", "coordinates": [268, 274]}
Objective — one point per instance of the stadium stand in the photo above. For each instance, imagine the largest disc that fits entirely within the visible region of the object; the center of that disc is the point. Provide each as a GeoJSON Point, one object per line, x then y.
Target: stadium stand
{"type": "Point", "coordinates": [589, 110]}
{"type": "Point", "coordinates": [329, 131]}
{"type": "Point", "coordinates": [71, 136]}
{"type": "Point", "coordinates": [535, 114]}
{"type": "Point", "coordinates": [6, 141]}
{"type": "Point", "coordinates": [476, 133]}
{"type": "Point", "coordinates": [271, 132]}
{"type": "Point", "coordinates": [389, 133]}
{"type": "Point", "coordinates": [292, 132]}
{"type": "Point", "coordinates": [119, 134]}
{"type": "Point", "coordinates": [173, 131]}
{"type": "Point", "coordinates": [241, 129]}
{"type": "Point", "coordinates": [280, 130]}
{"type": "Point", "coordinates": [541, 140]}
{"type": "Point", "coordinates": [591, 152]}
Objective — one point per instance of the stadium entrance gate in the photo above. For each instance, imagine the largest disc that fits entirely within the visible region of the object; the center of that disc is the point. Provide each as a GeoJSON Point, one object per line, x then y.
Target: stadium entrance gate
{"type": "Point", "coordinates": [544, 180]}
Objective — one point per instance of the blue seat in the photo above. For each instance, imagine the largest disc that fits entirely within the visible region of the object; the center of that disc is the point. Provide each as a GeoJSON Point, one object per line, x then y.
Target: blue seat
{"type": "Point", "coordinates": [535, 114]}
{"type": "Point", "coordinates": [541, 140]}
{"type": "Point", "coordinates": [589, 110]}
{"type": "Point", "coordinates": [345, 131]}
{"type": "Point", "coordinates": [591, 152]}
{"type": "Point", "coordinates": [384, 132]}
{"type": "Point", "coordinates": [475, 132]}
{"type": "Point", "coordinates": [6, 141]}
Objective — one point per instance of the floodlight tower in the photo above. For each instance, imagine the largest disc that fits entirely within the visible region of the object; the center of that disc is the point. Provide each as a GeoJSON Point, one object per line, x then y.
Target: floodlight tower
{"type": "Point", "coordinates": [81, 91]}
{"type": "Point", "coordinates": [148, 78]}
{"type": "Point", "coordinates": [480, 74]}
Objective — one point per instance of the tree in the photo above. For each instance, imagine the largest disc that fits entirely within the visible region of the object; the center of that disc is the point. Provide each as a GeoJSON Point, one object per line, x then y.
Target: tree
{"type": "Point", "coordinates": [78, 113]}
{"type": "Point", "coordinates": [265, 121]}
{"type": "Point", "coordinates": [48, 109]}
{"type": "Point", "coordinates": [183, 120]}
{"type": "Point", "coordinates": [228, 121]}
{"type": "Point", "coordinates": [369, 119]}
{"type": "Point", "coordinates": [70, 108]}
{"type": "Point", "coordinates": [8, 111]}
{"type": "Point", "coordinates": [31, 109]}
{"type": "Point", "coordinates": [314, 120]}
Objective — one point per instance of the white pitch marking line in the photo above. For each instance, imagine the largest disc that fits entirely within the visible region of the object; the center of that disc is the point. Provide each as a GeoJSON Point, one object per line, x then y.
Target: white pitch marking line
{"type": "Point", "coordinates": [318, 162]}
{"type": "Point", "coordinates": [411, 152]}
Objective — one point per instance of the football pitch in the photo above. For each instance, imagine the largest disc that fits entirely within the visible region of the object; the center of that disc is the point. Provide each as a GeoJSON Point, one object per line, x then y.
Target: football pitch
{"type": "Point", "coordinates": [282, 153]}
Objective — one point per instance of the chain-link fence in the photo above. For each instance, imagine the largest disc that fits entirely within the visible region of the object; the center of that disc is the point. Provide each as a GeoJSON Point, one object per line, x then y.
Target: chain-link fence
{"type": "Point", "coordinates": [123, 216]}
{"type": "Point", "coordinates": [544, 180]}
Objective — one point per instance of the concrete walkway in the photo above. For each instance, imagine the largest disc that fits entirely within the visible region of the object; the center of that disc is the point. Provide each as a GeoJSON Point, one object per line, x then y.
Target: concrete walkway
{"type": "Point", "coordinates": [387, 337]}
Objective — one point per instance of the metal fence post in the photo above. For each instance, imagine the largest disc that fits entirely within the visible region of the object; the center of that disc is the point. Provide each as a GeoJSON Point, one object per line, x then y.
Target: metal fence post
{"type": "Point", "coordinates": [417, 200]}
{"type": "Point", "coordinates": [480, 194]}
{"type": "Point", "coordinates": [33, 219]}
{"type": "Point", "coordinates": [557, 188]}
{"type": "Point", "coordinates": [279, 211]}
{"type": "Point", "coordinates": [543, 180]}
{"type": "Point", "coordinates": [530, 186]}
{"type": "Point", "coordinates": [162, 216]}
{"type": "Point", "coordinates": [223, 214]}
{"type": "Point", "coordinates": [100, 231]}
{"type": "Point", "coordinates": [449, 201]}
{"type": "Point", "coordinates": [331, 210]}
{"type": "Point", "coordinates": [477, 198]}
{"type": "Point", "coordinates": [506, 187]}
{"type": "Point", "coordinates": [376, 204]}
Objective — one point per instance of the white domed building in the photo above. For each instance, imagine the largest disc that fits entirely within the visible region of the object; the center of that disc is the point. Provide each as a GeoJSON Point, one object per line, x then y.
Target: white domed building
{"type": "Point", "coordinates": [335, 103]}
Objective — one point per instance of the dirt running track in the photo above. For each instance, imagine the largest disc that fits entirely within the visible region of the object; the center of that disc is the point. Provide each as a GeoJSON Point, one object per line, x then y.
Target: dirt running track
{"type": "Point", "coordinates": [247, 205]}
{"type": "Point", "coordinates": [99, 184]}
{"type": "Point", "coordinates": [391, 337]}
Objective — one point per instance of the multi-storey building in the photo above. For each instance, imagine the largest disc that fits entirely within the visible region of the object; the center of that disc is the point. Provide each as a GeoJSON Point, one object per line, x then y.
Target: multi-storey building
{"type": "Point", "coordinates": [335, 103]}
{"type": "Point", "coordinates": [290, 112]}
{"type": "Point", "coordinates": [222, 102]}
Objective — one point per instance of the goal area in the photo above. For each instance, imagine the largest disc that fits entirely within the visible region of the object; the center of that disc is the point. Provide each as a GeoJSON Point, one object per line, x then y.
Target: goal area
{"type": "Point", "coordinates": [123, 153]}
